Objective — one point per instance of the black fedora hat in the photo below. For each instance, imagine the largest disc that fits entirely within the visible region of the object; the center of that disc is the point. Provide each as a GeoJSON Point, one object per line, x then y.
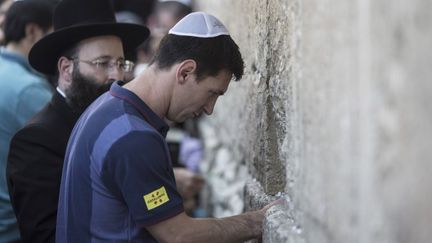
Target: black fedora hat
{"type": "Point", "coordinates": [76, 20]}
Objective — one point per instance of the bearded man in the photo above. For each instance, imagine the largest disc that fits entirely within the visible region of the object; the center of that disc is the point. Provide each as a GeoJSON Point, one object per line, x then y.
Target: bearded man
{"type": "Point", "coordinates": [86, 51]}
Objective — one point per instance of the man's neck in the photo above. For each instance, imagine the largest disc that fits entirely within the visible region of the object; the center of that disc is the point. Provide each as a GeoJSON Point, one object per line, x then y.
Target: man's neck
{"type": "Point", "coordinates": [18, 48]}
{"type": "Point", "coordinates": [154, 90]}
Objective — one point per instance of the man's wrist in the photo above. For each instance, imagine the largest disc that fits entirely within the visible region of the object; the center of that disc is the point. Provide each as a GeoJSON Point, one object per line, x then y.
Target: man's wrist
{"type": "Point", "coordinates": [255, 220]}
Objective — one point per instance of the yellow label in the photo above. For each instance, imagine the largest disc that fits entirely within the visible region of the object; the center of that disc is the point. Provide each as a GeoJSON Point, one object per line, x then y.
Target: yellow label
{"type": "Point", "coordinates": [156, 198]}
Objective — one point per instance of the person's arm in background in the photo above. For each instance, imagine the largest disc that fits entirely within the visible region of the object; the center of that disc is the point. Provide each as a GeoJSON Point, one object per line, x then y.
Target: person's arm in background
{"type": "Point", "coordinates": [189, 185]}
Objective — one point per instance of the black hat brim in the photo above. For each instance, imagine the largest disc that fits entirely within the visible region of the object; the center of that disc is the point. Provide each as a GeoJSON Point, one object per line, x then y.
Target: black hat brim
{"type": "Point", "coordinates": [45, 53]}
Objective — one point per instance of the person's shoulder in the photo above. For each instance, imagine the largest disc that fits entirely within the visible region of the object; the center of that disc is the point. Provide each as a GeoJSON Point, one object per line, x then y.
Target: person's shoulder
{"type": "Point", "coordinates": [120, 123]}
{"type": "Point", "coordinates": [31, 82]}
{"type": "Point", "coordinates": [32, 131]}
{"type": "Point", "coordinates": [34, 136]}
{"type": "Point", "coordinates": [48, 118]}
{"type": "Point", "coordinates": [41, 118]}
{"type": "Point", "coordinates": [142, 147]}
{"type": "Point", "coordinates": [46, 124]}
{"type": "Point", "coordinates": [20, 77]}
{"type": "Point", "coordinates": [13, 76]}
{"type": "Point", "coordinates": [142, 140]}
{"type": "Point", "coordinates": [7, 66]}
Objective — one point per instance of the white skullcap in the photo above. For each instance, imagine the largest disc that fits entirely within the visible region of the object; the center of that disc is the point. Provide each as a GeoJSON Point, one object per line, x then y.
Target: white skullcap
{"type": "Point", "coordinates": [184, 2]}
{"type": "Point", "coordinates": [199, 24]}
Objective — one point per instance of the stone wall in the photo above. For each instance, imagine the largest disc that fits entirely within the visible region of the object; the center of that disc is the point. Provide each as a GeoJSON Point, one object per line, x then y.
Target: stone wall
{"type": "Point", "coordinates": [333, 112]}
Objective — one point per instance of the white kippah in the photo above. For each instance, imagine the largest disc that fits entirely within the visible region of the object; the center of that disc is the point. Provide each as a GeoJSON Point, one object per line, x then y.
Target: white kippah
{"type": "Point", "coordinates": [199, 24]}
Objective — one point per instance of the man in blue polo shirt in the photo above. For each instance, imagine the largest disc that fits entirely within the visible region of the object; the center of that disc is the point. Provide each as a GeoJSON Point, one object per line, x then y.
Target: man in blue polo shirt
{"type": "Point", "coordinates": [117, 183]}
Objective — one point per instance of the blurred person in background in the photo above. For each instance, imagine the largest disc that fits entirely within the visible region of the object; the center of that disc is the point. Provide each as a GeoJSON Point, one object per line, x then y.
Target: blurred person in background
{"type": "Point", "coordinates": [169, 12]}
{"type": "Point", "coordinates": [23, 91]}
{"type": "Point", "coordinates": [166, 14]}
{"type": "Point", "coordinates": [87, 56]}
{"type": "Point", "coordinates": [4, 6]}
{"type": "Point", "coordinates": [138, 10]}
{"type": "Point", "coordinates": [134, 12]}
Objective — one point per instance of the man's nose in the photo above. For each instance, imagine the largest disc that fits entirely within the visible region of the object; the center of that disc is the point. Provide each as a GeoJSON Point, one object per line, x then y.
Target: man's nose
{"type": "Point", "coordinates": [208, 108]}
{"type": "Point", "coordinates": [115, 73]}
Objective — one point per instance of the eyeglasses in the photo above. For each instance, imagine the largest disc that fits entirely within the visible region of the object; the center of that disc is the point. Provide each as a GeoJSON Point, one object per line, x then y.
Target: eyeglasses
{"type": "Point", "coordinates": [104, 64]}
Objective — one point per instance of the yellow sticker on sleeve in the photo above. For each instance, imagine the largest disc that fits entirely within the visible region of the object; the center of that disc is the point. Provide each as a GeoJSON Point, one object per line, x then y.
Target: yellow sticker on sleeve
{"type": "Point", "coordinates": [156, 198]}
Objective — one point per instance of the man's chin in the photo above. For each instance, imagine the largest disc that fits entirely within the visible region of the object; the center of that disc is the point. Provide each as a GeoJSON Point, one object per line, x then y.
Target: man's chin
{"type": "Point", "coordinates": [180, 119]}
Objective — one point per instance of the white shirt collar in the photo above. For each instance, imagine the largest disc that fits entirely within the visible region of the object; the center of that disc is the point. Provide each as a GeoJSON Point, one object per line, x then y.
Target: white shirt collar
{"type": "Point", "coordinates": [61, 92]}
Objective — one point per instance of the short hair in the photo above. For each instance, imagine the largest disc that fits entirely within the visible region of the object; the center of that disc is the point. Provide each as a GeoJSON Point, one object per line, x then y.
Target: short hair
{"type": "Point", "coordinates": [212, 55]}
{"type": "Point", "coordinates": [22, 13]}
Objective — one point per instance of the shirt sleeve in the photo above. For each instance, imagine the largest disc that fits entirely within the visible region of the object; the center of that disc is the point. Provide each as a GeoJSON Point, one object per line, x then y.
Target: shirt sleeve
{"type": "Point", "coordinates": [138, 169]}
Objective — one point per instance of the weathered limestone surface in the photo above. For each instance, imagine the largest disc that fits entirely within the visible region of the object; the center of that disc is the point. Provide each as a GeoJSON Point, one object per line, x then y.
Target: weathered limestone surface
{"type": "Point", "coordinates": [333, 111]}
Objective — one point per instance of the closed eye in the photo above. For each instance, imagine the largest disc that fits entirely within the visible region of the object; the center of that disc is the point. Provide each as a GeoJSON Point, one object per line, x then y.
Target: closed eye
{"type": "Point", "coordinates": [216, 93]}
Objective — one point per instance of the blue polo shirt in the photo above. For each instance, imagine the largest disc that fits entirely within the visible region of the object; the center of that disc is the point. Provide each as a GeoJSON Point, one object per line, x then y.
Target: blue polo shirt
{"type": "Point", "coordinates": [117, 176]}
{"type": "Point", "coordinates": [23, 93]}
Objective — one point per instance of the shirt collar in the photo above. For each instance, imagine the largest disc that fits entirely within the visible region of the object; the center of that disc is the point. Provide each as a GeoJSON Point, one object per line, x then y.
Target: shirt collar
{"type": "Point", "coordinates": [61, 92]}
{"type": "Point", "coordinates": [148, 114]}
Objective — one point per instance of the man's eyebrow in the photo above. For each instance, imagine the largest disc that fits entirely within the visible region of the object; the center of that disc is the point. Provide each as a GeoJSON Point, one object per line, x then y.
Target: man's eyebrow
{"type": "Point", "coordinates": [109, 57]}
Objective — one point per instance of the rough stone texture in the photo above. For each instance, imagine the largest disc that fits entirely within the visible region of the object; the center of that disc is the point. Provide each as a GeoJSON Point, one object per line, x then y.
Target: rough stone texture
{"type": "Point", "coordinates": [225, 175]}
{"type": "Point", "coordinates": [333, 110]}
{"type": "Point", "coordinates": [280, 224]}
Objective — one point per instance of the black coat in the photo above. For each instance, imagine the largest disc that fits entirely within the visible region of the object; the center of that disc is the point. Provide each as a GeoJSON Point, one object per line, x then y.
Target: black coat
{"type": "Point", "coordinates": [34, 169]}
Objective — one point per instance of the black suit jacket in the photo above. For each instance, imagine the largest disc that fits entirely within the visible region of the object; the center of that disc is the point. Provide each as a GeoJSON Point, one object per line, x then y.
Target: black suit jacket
{"type": "Point", "coordinates": [34, 169]}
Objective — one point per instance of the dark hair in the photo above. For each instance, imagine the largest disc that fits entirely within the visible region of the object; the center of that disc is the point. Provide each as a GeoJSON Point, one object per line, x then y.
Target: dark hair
{"type": "Point", "coordinates": [178, 10]}
{"type": "Point", "coordinates": [212, 55]}
{"type": "Point", "coordinates": [22, 13]}
{"type": "Point", "coordinates": [142, 8]}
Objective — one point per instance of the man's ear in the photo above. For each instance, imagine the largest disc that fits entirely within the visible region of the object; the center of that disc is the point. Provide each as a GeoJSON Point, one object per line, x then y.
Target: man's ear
{"type": "Point", "coordinates": [185, 70]}
{"type": "Point", "coordinates": [65, 67]}
{"type": "Point", "coordinates": [33, 32]}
